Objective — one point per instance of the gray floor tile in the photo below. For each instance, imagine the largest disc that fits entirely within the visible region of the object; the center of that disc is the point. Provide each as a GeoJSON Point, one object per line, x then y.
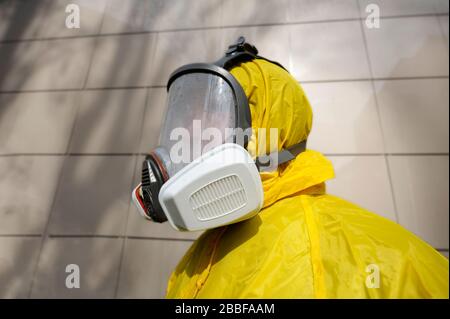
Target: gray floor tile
{"type": "Point", "coordinates": [408, 47]}
{"type": "Point", "coordinates": [141, 227]}
{"type": "Point", "coordinates": [322, 10]}
{"type": "Point", "coordinates": [328, 51]}
{"type": "Point", "coordinates": [251, 12]}
{"type": "Point", "coordinates": [414, 115]}
{"type": "Point", "coordinates": [109, 121]}
{"type": "Point", "coordinates": [91, 13]}
{"type": "Point", "coordinates": [442, 6]}
{"type": "Point", "coordinates": [263, 38]}
{"type": "Point", "coordinates": [36, 122]}
{"type": "Point", "coordinates": [27, 188]}
{"type": "Point", "coordinates": [421, 194]}
{"type": "Point", "coordinates": [406, 7]}
{"type": "Point", "coordinates": [345, 118]}
{"type": "Point", "coordinates": [18, 257]}
{"type": "Point", "coordinates": [93, 196]}
{"type": "Point", "coordinates": [98, 261]}
{"type": "Point", "coordinates": [175, 49]}
{"type": "Point", "coordinates": [122, 61]}
{"type": "Point", "coordinates": [363, 180]}
{"type": "Point", "coordinates": [18, 67]}
{"type": "Point", "coordinates": [147, 266]}
{"type": "Point", "coordinates": [22, 19]}
{"type": "Point", "coordinates": [44, 65]}
{"type": "Point", "coordinates": [151, 15]}
{"type": "Point", "coordinates": [46, 18]}
{"type": "Point", "coordinates": [443, 22]}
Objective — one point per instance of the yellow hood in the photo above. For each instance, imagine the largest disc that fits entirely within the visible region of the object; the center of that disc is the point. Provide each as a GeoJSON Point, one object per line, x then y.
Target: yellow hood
{"type": "Point", "coordinates": [276, 100]}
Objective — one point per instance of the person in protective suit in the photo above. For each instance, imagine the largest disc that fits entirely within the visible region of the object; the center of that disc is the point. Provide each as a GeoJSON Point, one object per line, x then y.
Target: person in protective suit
{"type": "Point", "coordinates": [304, 243]}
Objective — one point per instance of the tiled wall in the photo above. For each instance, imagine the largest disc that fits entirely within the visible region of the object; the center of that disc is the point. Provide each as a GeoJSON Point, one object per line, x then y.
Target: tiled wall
{"type": "Point", "coordinates": [79, 107]}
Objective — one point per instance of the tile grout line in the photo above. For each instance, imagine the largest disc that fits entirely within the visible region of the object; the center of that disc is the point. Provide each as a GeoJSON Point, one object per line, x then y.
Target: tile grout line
{"type": "Point", "coordinates": [394, 78]}
{"type": "Point", "coordinates": [74, 236]}
{"type": "Point", "coordinates": [54, 236]}
{"type": "Point", "coordinates": [380, 122]}
{"type": "Point", "coordinates": [361, 14]}
{"type": "Point", "coordinates": [430, 77]}
{"type": "Point", "coordinates": [442, 31]}
{"type": "Point", "coordinates": [143, 154]}
{"type": "Point", "coordinates": [45, 236]}
{"type": "Point", "coordinates": [142, 127]}
{"type": "Point", "coordinates": [159, 238]}
{"type": "Point", "coordinates": [20, 235]}
{"type": "Point", "coordinates": [290, 41]}
{"type": "Point", "coordinates": [386, 154]}
{"type": "Point", "coordinates": [68, 154]}
{"type": "Point", "coordinates": [106, 88]}
{"type": "Point", "coordinates": [57, 189]}
{"type": "Point", "coordinates": [119, 266]}
{"type": "Point", "coordinates": [219, 27]}
{"type": "Point", "coordinates": [122, 250]}
{"type": "Point", "coordinates": [382, 129]}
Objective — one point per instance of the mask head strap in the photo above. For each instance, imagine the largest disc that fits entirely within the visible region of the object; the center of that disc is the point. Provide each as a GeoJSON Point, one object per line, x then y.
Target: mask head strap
{"type": "Point", "coordinates": [240, 52]}
{"type": "Point", "coordinates": [265, 162]}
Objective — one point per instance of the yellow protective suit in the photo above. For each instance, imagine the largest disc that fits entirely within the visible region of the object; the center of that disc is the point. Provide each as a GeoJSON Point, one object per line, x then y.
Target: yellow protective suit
{"type": "Point", "coordinates": [304, 243]}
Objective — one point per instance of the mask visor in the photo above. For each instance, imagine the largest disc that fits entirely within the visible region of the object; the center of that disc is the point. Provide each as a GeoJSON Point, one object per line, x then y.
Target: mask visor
{"type": "Point", "coordinates": [201, 115]}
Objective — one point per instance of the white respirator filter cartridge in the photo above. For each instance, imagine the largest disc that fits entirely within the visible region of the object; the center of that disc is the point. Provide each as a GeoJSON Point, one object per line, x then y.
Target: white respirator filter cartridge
{"type": "Point", "coordinates": [221, 187]}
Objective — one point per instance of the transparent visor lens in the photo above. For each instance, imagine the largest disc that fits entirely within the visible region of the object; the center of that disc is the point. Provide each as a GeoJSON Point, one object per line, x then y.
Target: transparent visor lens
{"type": "Point", "coordinates": [200, 115]}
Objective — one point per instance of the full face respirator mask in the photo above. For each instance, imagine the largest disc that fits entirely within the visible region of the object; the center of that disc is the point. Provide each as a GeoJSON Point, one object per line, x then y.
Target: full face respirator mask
{"type": "Point", "coordinates": [201, 176]}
